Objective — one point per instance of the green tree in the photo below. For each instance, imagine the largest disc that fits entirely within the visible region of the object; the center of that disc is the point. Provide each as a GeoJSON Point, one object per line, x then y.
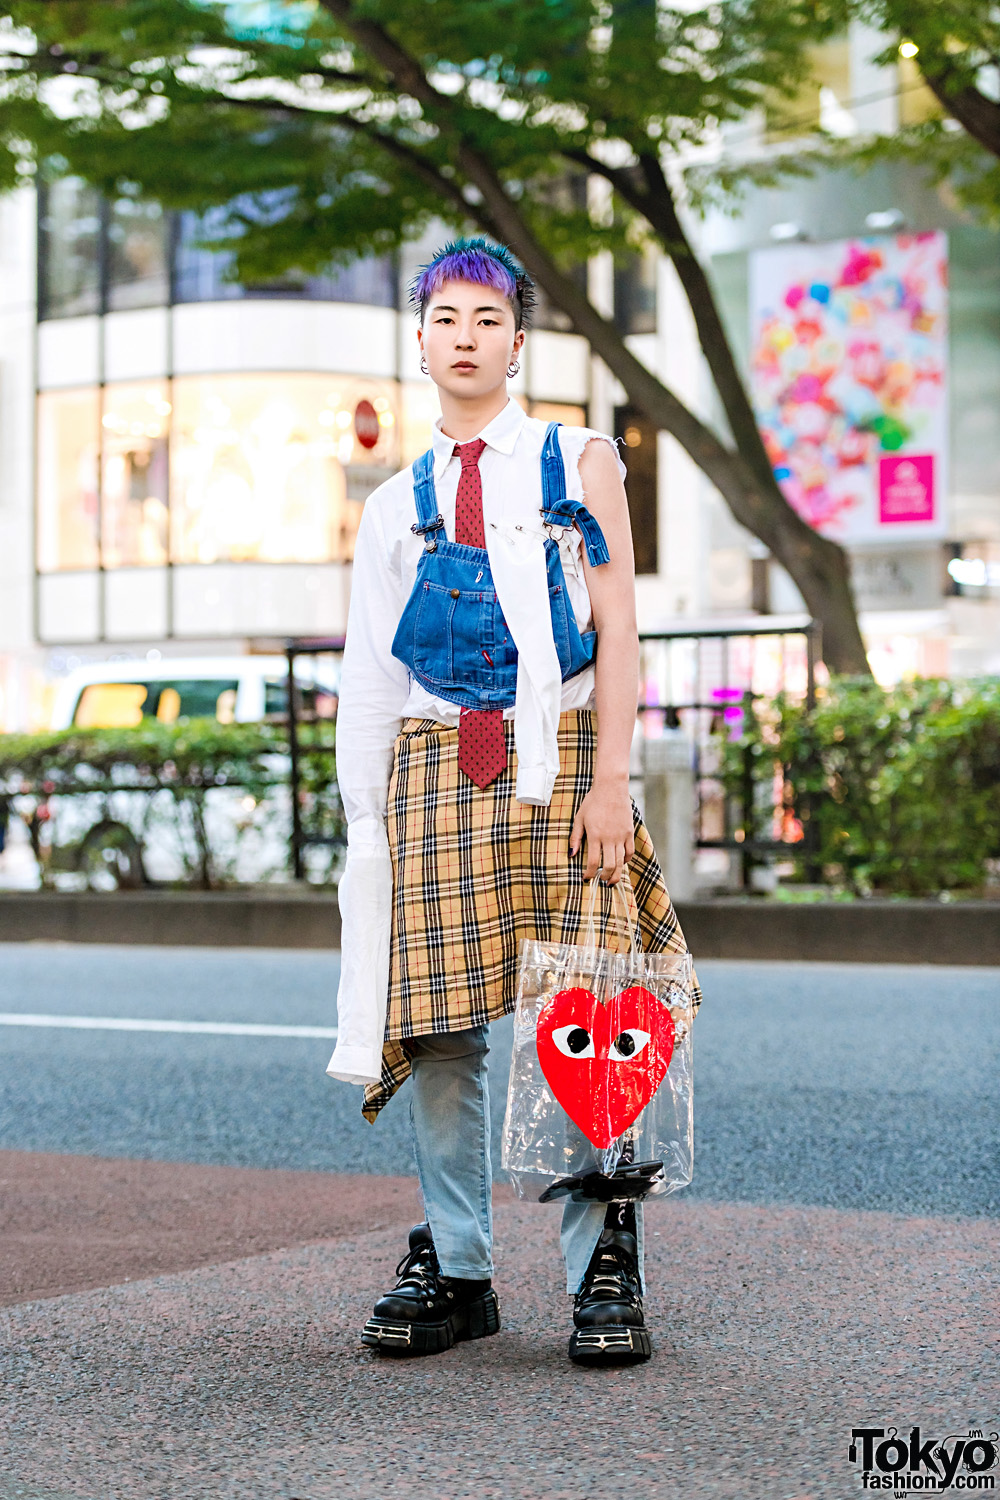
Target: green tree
{"type": "Point", "coordinates": [958, 57]}
{"type": "Point", "coordinates": [340, 127]}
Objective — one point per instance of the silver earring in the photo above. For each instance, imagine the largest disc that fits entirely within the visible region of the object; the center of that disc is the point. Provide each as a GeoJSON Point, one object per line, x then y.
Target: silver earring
{"type": "Point", "coordinates": [423, 365]}
{"type": "Point", "coordinates": [513, 368]}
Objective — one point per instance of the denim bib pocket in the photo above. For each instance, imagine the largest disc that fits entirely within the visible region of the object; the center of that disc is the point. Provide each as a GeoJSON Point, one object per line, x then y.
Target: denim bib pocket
{"type": "Point", "coordinates": [432, 640]}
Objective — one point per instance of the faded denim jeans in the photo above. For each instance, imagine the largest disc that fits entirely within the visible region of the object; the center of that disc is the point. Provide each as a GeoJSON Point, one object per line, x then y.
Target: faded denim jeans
{"type": "Point", "coordinates": [450, 1110]}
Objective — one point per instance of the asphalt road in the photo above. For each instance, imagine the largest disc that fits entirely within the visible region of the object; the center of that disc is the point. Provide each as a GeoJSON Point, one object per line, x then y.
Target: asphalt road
{"type": "Point", "coordinates": [824, 1084]}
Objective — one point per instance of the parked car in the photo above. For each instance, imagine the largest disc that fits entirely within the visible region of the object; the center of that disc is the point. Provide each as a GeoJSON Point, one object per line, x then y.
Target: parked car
{"type": "Point", "coordinates": [131, 837]}
{"type": "Point", "coordinates": [232, 689]}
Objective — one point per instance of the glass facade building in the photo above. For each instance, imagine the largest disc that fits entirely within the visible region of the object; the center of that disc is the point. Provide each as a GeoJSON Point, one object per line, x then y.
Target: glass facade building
{"type": "Point", "coordinates": [204, 447]}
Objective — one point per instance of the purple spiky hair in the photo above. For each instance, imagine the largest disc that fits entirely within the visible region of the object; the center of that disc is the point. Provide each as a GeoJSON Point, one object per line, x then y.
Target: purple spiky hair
{"type": "Point", "coordinates": [483, 262]}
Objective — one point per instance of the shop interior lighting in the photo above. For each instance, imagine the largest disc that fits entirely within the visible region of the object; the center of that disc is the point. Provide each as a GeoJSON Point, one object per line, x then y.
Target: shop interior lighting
{"type": "Point", "coordinates": [974, 572]}
{"type": "Point", "coordinates": [787, 231]}
{"type": "Point", "coordinates": [885, 220]}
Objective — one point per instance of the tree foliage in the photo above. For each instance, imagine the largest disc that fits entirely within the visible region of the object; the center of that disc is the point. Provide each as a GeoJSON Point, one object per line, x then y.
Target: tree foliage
{"type": "Point", "coordinates": [901, 786]}
{"type": "Point", "coordinates": [346, 126]}
{"type": "Point", "coordinates": [165, 779]}
{"type": "Point", "coordinates": [958, 57]}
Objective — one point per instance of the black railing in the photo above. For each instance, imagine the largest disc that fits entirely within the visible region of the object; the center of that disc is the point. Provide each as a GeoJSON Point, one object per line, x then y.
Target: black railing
{"type": "Point", "coordinates": [702, 679]}
{"type": "Point", "coordinates": [709, 695]}
{"type": "Point", "coordinates": [308, 707]}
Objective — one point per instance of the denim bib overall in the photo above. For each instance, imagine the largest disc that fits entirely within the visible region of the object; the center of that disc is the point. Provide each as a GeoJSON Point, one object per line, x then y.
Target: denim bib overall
{"type": "Point", "coordinates": [452, 635]}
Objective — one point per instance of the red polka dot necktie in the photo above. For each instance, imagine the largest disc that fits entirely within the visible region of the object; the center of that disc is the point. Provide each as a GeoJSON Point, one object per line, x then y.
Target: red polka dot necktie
{"type": "Point", "coordinates": [482, 749]}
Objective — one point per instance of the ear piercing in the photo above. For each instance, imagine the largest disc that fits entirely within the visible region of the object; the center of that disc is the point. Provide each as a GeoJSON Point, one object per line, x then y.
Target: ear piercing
{"type": "Point", "coordinates": [423, 365]}
{"type": "Point", "coordinates": [513, 368]}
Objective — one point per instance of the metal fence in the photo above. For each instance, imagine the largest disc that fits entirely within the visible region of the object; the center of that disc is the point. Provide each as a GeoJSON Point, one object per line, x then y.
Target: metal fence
{"type": "Point", "coordinates": [703, 681]}
{"type": "Point", "coordinates": [699, 680]}
{"type": "Point", "coordinates": [310, 706]}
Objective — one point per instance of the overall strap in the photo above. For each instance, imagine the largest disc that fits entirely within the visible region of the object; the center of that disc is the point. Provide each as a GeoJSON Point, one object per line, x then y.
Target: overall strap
{"type": "Point", "coordinates": [558, 510]}
{"type": "Point", "coordinates": [429, 518]}
{"type": "Point", "coordinates": [553, 468]}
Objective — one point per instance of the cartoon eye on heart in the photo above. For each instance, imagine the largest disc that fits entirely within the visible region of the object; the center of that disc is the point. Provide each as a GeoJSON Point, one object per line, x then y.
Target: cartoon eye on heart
{"type": "Point", "coordinates": [605, 1062]}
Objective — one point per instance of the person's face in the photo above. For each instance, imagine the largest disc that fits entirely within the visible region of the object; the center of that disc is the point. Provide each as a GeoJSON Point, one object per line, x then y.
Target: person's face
{"type": "Point", "coordinates": [468, 338]}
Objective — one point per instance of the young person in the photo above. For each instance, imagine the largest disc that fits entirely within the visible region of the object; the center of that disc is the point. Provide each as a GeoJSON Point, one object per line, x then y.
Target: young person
{"type": "Point", "coordinates": [487, 707]}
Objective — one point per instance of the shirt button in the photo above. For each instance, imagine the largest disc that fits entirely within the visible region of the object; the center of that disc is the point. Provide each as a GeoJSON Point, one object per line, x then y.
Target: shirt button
{"type": "Point", "coordinates": [455, 593]}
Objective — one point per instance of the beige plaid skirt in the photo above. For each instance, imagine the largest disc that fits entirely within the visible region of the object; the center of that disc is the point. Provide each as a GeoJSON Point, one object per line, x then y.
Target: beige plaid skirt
{"type": "Point", "coordinates": [475, 871]}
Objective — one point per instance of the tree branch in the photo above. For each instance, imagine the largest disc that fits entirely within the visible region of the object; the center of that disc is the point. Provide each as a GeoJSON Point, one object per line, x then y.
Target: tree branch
{"type": "Point", "coordinates": [977, 114]}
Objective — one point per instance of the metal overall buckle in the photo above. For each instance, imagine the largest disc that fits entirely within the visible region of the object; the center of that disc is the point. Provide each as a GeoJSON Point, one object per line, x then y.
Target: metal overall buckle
{"type": "Point", "coordinates": [430, 542]}
{"type": "Point", "coordinates": [555, 529]}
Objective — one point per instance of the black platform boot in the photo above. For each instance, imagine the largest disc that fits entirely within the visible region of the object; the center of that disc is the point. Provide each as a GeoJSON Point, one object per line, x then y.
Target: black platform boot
{"type": "Point", "coordinates": [426, 1312]}
{"type": "Point", "coordinates": [608, 1308]}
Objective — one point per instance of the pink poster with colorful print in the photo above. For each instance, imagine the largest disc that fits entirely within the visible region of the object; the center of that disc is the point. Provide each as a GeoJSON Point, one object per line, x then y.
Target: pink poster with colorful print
{"type": "Point", "coordinates": [849, 367]}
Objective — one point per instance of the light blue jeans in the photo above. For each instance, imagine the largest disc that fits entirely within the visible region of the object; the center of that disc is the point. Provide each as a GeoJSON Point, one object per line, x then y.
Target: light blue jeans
{"type": "Point", "coordinates": [450, 1110]}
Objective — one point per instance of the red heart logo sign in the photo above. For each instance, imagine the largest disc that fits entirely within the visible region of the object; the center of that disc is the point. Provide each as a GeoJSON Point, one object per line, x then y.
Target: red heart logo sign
{"type": "Point", "coordinates": [604, 1063]}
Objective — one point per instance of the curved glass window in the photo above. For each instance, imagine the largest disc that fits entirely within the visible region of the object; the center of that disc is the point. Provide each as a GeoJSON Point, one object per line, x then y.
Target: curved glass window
{"type": "Point", "coordinates": [134, 430]}
{"type": "Point", "coordinates": [205, 469]}
{"type": "Point", "coordinates": [635, 293]}
{"type": "Point", "coordinates": [204, 275]}
{"type": "Point", "coordinates": [69, 249]}
{"type": "Point", "coordinates": [137, 258]}
{"type": "Point", "coordinates": [276, 469]}
{"type": "Point", "coordinates": [69, 426]}
{"type": "Point", "coordinates": [96, 256]}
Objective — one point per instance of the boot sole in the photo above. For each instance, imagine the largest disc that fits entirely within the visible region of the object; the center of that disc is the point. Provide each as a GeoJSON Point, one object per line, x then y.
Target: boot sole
{"type": "Point", "coordinates": [614, 1345]}
{"type": "Point", "coordinates": [477, 1320]}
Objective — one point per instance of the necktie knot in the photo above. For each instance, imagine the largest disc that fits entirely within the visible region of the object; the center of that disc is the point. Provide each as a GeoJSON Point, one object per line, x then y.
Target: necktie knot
{"type": "Point", "coordinates": [469, 454]}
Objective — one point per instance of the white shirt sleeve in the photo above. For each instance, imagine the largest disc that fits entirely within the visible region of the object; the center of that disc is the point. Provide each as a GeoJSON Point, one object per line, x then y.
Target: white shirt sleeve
{"type": "Point", "coordinates": [374, 687]}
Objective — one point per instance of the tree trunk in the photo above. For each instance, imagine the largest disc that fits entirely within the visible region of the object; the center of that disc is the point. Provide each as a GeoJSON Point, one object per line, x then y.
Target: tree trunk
{"type": "Point", "coordinates": [818, 566]}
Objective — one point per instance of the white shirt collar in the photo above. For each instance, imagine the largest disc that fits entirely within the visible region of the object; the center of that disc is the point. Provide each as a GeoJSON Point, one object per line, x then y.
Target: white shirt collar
{"type": "Point", "coordinates": [501, 433]}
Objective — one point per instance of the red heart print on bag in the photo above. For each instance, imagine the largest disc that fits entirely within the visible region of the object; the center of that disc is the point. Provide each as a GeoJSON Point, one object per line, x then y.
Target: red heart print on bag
{"type": "Point", "coordinates": [604, 1063]}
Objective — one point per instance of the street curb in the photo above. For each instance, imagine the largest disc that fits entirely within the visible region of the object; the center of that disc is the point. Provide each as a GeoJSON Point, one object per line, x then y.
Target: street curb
{"type": "Point", "coordinates": [278, 918]}
{"type": "Point", "coordinates": [862, 932]}
{"type": "Point", "coordinates": [966, 932]}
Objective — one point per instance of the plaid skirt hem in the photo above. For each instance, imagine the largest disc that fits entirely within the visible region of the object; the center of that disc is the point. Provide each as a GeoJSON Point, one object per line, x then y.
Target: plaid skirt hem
{"type": "Point", "coordinates": [475, 872]}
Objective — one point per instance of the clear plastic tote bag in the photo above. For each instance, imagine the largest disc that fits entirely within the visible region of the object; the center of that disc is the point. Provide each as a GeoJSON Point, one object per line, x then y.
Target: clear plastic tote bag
{"type": "Point", "coordinates": [601, 1071]}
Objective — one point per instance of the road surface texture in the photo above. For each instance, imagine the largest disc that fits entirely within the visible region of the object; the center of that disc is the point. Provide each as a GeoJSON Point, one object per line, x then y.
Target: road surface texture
{"type": "Point", "coordinates": [194, 1225]}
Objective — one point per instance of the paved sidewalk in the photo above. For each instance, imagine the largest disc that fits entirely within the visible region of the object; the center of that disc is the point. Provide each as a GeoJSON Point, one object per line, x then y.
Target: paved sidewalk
{"type": "Point", "coordinates": [775, 1331]}
{"type": "Point", "coordinates": [69, 1223]}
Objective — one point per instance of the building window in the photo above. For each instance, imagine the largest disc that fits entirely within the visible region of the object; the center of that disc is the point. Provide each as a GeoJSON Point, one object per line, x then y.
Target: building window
{"type": "Point", "coordinates": [275, 469]}
{"type": "Point", "coordinates": [257, 468]}
{"type": "Point", "coordinates": [69, 249]}
{"type": "Point", "coordinates": [551, 318]}
{"type": "Point", "coordinates": [206, 275]}
{"type": "Point", "coordinates": [820, 99]}
{"type": "Point", "coordinates": [96, 256]}
{"type": "Point", "coordinates": [561, 197]}
{"type": "Point", "coordinates": [635, 293]}
{"type": "Point", "coordinates": [557, 411]}
{"type": "Point", "coordinates": [639, 441]}
{"type": "Point", "coordinates": [137, 255]}
{"type": "Point", "coordinates": [134, 428]}
{"type": "Point", "coordinates": [69, 426]}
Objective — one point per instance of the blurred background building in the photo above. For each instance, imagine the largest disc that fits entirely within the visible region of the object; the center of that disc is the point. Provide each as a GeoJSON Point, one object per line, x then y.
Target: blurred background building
{"type": "Point", "coordinates": [183, 459]}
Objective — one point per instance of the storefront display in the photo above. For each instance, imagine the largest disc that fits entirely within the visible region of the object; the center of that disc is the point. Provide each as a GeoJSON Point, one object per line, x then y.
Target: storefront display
{"type": "Point", "coordinates": [236, 468]}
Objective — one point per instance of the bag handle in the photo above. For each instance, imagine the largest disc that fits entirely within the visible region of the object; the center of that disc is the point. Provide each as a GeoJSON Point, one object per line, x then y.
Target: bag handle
{"type": "Point", "coordinates": [590, 935]}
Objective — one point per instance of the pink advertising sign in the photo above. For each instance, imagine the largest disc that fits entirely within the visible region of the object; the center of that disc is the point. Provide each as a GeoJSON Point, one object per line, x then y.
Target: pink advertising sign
{"type": "Point", "coordinates": [849, 381]}
{"type": "Point", "coordinates": [906, 489]}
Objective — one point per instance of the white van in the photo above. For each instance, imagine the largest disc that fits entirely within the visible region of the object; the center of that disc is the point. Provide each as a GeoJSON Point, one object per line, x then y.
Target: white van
{"type": "Point", "coordinates": [129, 838]}
{"type": "Point", "coordinates": [232, 689]}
